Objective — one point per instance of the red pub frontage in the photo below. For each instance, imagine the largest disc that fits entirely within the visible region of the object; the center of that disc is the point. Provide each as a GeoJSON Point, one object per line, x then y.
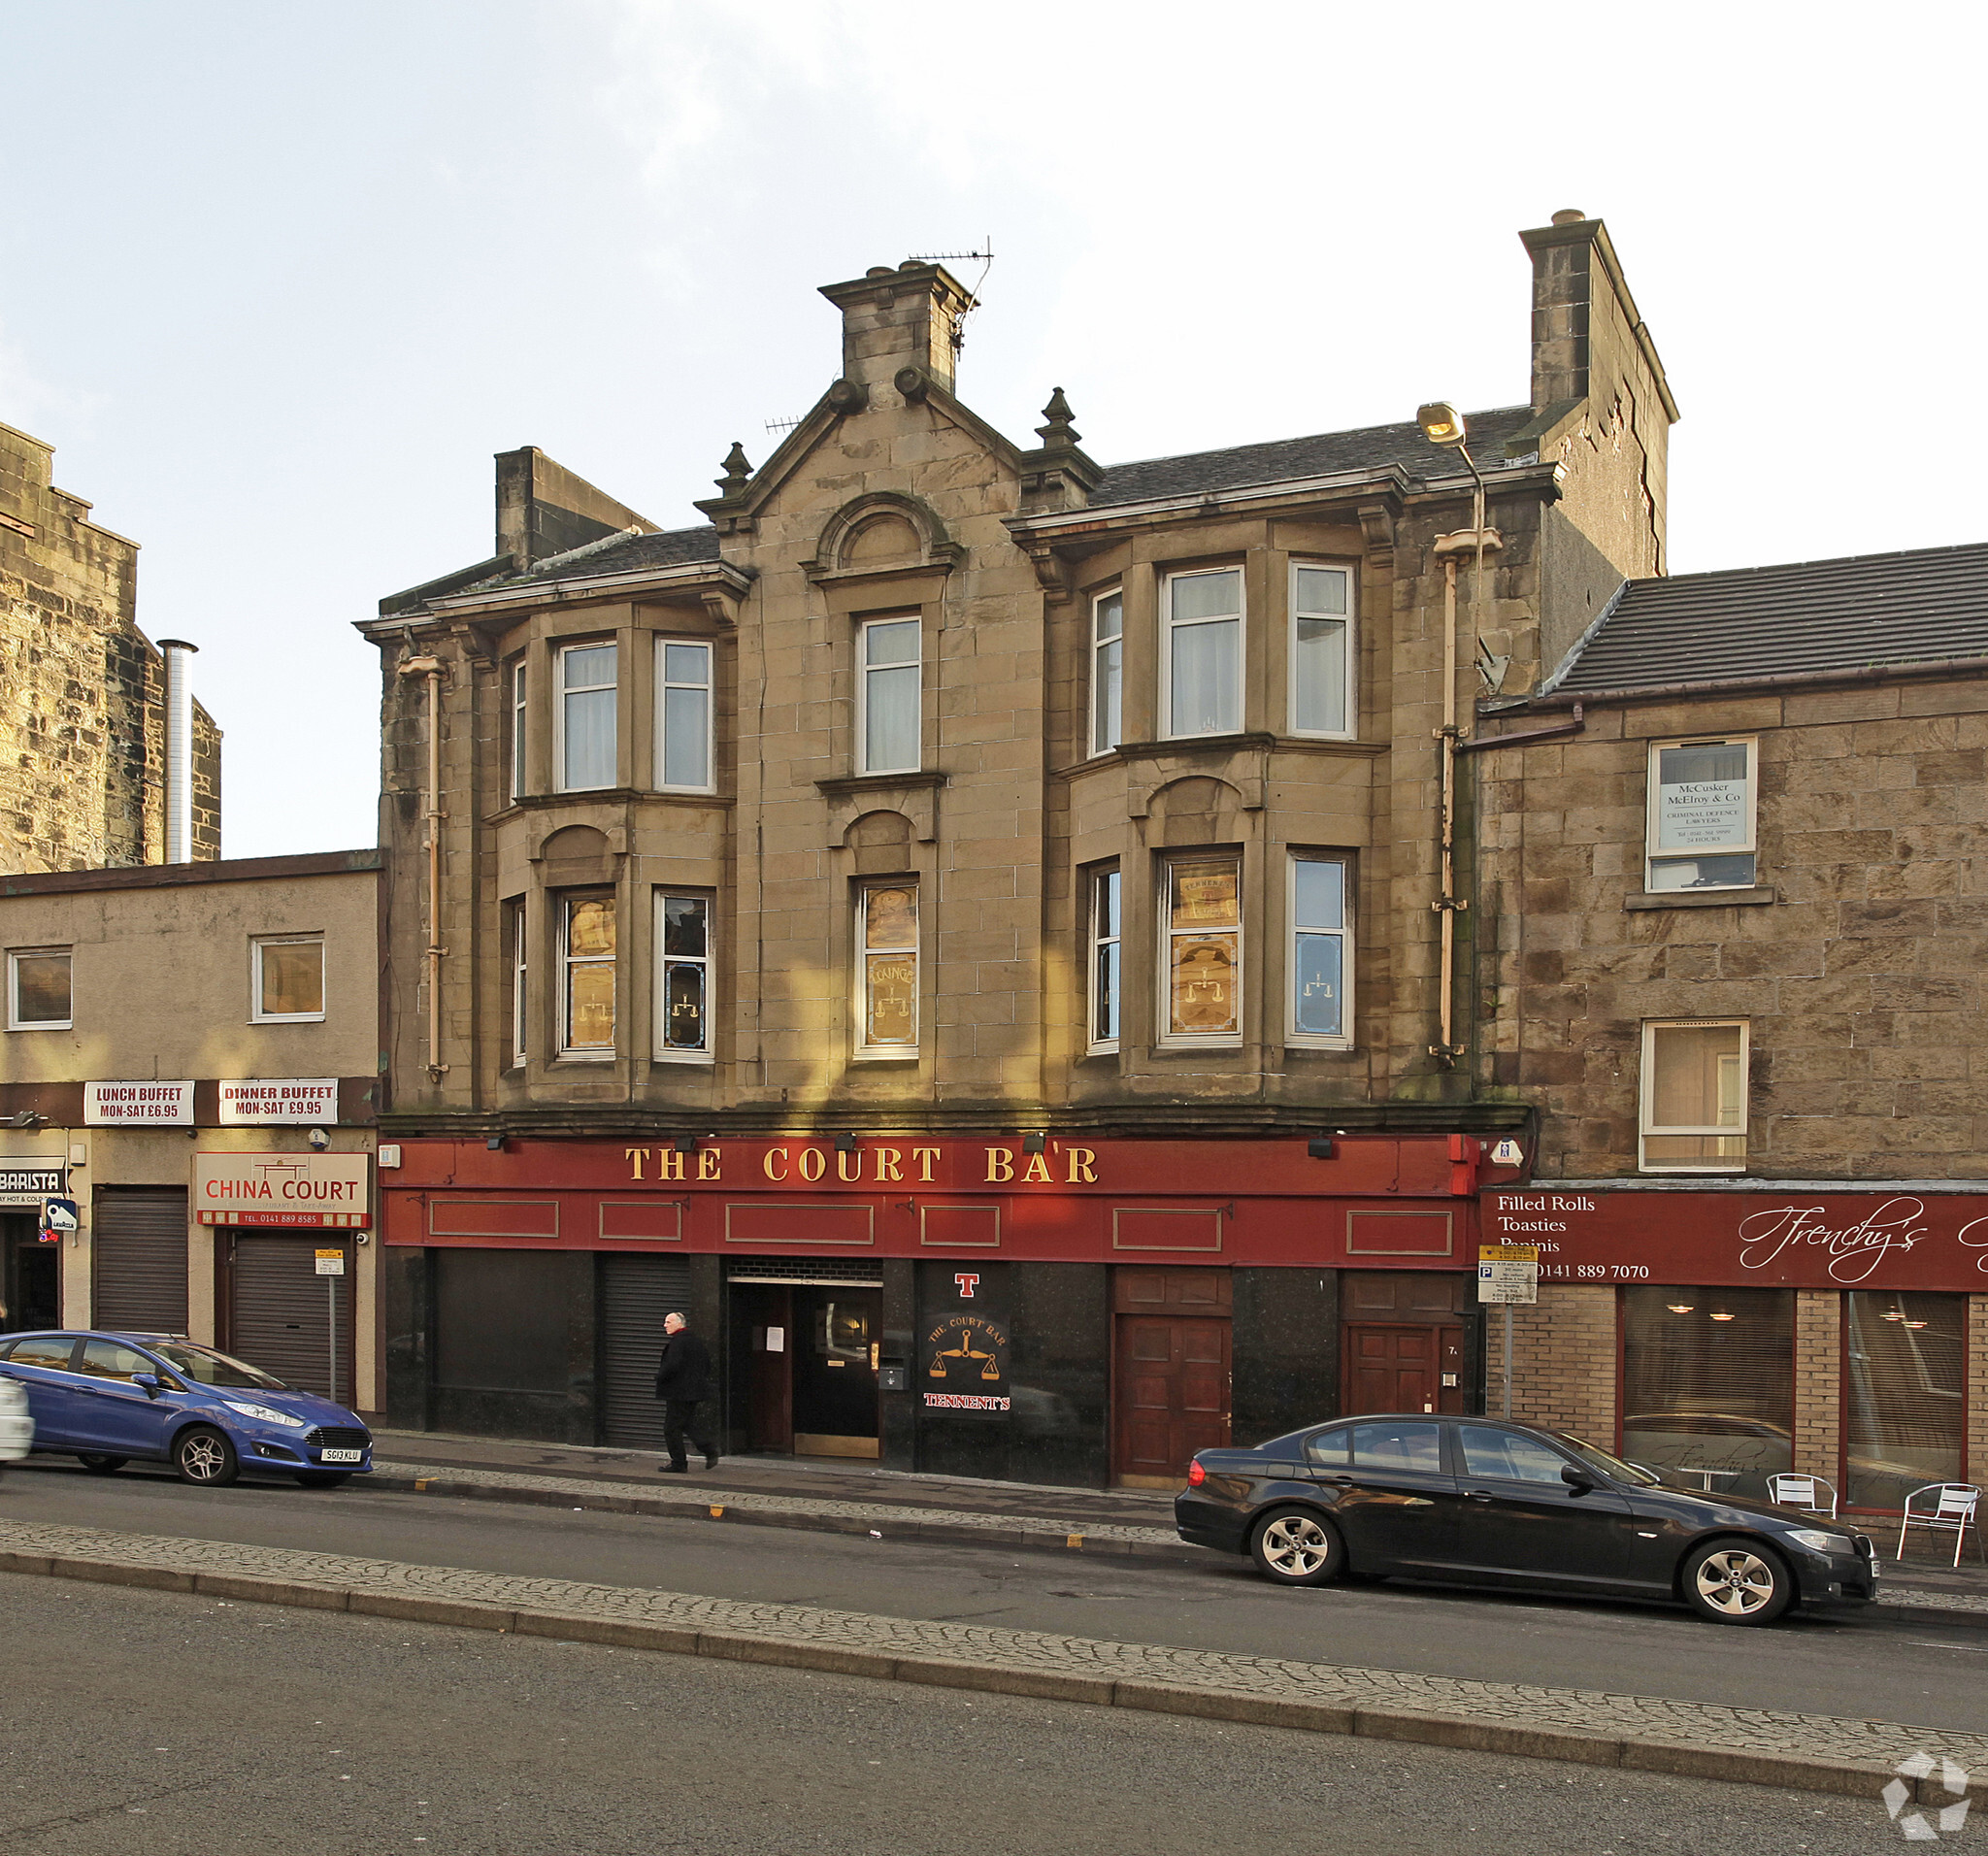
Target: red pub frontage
{"type": "Point", "coordinates": [1040, 1308]}
{"type": "Point", "coordinates": [1732, 1331]}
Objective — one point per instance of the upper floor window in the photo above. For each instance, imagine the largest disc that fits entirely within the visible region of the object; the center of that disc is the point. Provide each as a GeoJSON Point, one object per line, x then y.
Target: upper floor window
{"type": "Point", "coordinates": [1321, 949]}
{"type": "Point", "coordinates": [683, 715]}
{"type": "Point", "coordinates": [1701, 815]}
{"type": "Point", "coordinates": [517, 951]}
{"type": "Point", "coordinates": [517, 729]}
{"type": "Point", "coordinates": [1108, 670]}
{"type": "Point", "coordinates": [586, 717]}
{"type": "Point", "coordinates": [1321, 650]}
{"type": "Point", "coordinates": [888, 681]}
{"type": "Point", "coordinates": [1201, 652]}
{"type": "Point", "coordinates": [586, 960]}
{"type": "Point", "coordinates": [682, 977]}
{"type": "Point", "coordinates": [286, 979]}
{"type": "Point", "coordinates": [1107, 970]}
{"type": "Point", "coordinates": [1202, 949]}
{"type": "Point", "coordinates": [37, 989]}
{"type": "Point", "coordinates": [887, 977]}
{"type": "Point", "coordinates": [1694, 1095]}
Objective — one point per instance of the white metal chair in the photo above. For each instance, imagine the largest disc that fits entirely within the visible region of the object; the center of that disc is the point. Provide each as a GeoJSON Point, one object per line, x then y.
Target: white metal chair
{"type": "Point", "coordinates": [1950, 1511]}
{"type": "Point", "coordinates": [1808, 1493]}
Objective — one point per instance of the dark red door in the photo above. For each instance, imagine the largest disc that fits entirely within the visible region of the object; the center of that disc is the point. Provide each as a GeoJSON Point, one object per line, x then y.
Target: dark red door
{"type": "Point", "coordinates": [1395, 1366]}
{"type": "Point", "coordinates": [1172, 1394]}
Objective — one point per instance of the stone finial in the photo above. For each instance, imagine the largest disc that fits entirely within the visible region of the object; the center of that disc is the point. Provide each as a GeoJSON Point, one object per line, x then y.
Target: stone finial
{"type": "Point", "coordinates": [738, 471]}
{"type": "Point", "coordinates": [1059, 434]}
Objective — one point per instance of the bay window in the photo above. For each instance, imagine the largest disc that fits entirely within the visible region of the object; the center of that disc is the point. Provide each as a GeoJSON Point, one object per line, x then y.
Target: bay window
{"type": "Point", "coordinates": [586, 989]}
{"type": "Point", "coordinates": [683, 961]}
{"type": "Point", "coordinates": [517, 729]}
{"type": "Point", "coordinates": [1107, 946]}
{"type": "Point", "coordinates": [586, 719]}
{"type": "Point", "coordinates": [887, 970]}
{"type": "Point", "coordinates": [1108, 670]}
{"type": "Point", "coordinates": [1321, 957]}
{"type": "Point", "coordinates": [889, 677]}
{"type": "Point", "coordinates": [1201, 956]}
{"type": "Point", "coordinates": [516, 952]}
{"type": "Point", "coordinates": [1694, 1096]}
{"type": "Point", "coordinates": [1700, 814]}
{"type": "Point", "coordinates": [683, 715]}
{"type": "Point", "coordinates": [1321, 650]}
{"type": "Point", "coordinates": [1201, 650]}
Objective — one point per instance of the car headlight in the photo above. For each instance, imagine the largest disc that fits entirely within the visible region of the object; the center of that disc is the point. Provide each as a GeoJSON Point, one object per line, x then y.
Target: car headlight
{"type": "Point", "coordinates": [1820, 1540]}
{"type": "Point", "coordinates": [262, 1414]}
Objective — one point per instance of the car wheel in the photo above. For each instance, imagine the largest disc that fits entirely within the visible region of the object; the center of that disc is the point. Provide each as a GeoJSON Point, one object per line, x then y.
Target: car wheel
{"type": "Point", "coordinates": [324, 1479]}
{"type": "Point", "coordinates": [206, 1457]}
{"type": "Point", "coordinates": [1738, 1582]}
{"type": "Point", "coordinates": [103, 1465]}
{"type": "Point", "coordinates": [1295, 1546]}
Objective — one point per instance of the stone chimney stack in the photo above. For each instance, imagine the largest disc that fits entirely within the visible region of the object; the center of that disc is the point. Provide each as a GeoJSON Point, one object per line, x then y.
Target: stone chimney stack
{"type": "Point", "coordinates": [1588, 333]}
{"type": "Point", "coordinates": [895, 319]}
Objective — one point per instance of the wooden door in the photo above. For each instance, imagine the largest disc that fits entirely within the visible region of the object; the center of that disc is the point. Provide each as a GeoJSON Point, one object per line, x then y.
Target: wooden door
{"type": "Point", "coordinates": [1173, 1395]}
{"type": "Point", "coordinates": [1390, 1366]}
{"type": "Point", "coordinates": [763, 1337]}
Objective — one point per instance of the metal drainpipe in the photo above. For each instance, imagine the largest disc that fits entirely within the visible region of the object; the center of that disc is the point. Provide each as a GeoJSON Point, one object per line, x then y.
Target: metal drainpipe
{"type": "Point", "coordinates": [430, 668]}
{"type": "Point", "coordinates": [179, 749]}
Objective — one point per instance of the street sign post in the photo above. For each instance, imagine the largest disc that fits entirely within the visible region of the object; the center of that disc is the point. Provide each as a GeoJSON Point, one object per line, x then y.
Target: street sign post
{"type": "Point", "coordinates": [1508, 1273]}
{"type": "Point", "coordinates": [331, 1265]}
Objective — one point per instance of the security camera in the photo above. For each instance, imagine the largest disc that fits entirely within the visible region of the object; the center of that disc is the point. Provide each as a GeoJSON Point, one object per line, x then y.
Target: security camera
{"type": "Point", "coordinates": [321, 1138]}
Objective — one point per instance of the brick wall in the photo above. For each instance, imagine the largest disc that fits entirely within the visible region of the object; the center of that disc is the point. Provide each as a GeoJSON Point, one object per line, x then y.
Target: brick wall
{"type": "Point", "coordinates": [1818, 1382]}
{"type": "Point", "coordinates": [1564, 1361]}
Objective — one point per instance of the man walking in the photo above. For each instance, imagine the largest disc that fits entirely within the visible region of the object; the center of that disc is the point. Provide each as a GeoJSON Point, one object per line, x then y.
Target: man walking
{"type": "Point", "coordinates": [684, 1384]}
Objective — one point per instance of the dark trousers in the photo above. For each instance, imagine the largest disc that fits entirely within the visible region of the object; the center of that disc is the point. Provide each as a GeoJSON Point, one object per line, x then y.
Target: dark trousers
{"type": "Point", "coordinates": [681, 1415]}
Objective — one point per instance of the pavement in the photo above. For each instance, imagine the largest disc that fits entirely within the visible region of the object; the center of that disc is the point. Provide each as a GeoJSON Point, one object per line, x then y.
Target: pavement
{"type": "Point", "coordinates": [328, 1734]}
{"type": "Point", "coordinates": [894, 1505]}
{"type": "Point", "coordinates": [1590, 1727]}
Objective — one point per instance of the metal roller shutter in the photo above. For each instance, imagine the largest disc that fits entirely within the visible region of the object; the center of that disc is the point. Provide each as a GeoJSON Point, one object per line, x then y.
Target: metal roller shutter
{"type": "Point", "coordinates": [635, 1293]}
{"type": "Point", "coordinates": [138, 1259]}
{"type": "Point", "coordinates": [279, 1310]}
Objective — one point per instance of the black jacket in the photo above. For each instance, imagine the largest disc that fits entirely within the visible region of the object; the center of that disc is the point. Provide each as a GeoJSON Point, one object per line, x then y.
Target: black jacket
{"type": "Point", "coordinates": [684, 1370]}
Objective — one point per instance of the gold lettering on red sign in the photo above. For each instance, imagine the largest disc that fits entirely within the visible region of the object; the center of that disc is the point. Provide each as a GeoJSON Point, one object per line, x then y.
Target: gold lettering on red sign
{"type": "Point", "coordinates": [820, 1160]}
{"type": "Point", "coordinates": [925, 1156]}
{"type": "Point", "coordinates": [635, 1157]}
{"type": "Point", "coordinates": [773, 1154]}
{"type": "Point", "coordinates": [1000, 1165]}
{"type": "Point", "coordinates": [1083, 1171]}
{"type": "Point", "coordinates": [708, 1163]}
{"type": "Point", "coordinates": [887, 1164]}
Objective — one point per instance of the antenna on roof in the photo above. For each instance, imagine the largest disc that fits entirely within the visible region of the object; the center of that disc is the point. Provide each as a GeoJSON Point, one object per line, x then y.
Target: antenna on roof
{"type": "Point", "coordinates": [985, 258]}
{"type": "Point", "coordinates": [783, 426]}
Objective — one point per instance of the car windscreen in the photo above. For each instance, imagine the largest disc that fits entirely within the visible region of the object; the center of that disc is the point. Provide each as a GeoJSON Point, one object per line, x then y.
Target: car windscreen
{"type": "Point", "coordinates": [206, 1367]}
{"type": "Point", "coordinates": [1611, 1467]}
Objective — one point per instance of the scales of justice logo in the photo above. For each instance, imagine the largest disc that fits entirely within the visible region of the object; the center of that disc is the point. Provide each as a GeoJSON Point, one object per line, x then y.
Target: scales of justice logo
{"type": "Point", "coordinates": [966, 1365]}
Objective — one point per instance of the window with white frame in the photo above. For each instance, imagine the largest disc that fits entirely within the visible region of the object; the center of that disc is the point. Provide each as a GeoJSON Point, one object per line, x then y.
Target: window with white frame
{"type": "Point", "coordinates": [1694, 1095]}
{"type": "Point", "coordinates": [517, 729]}
{"type": "Point", "coordinates": [889, 676]}
{"type": "Point", "coordinates": [887, 970]}
{"type": "Point", "coordinates": [516, 952]}
{"type": "Point", "coordinates": [683, 974]}
{"type": "Point", "coordinates": [586, 977]}
{"type": "Point", "coordinates": [1201, 954]}
{"type": "Point", "coordinates": [1108, 670]}
{"type": "Point", "coordinates": [1321, 650]}
{"type": "Point", "coordinates": [1201, 652]}
{"type": "Point", "coordinates": [1106, 964]}
{"type": "Point", "coordinates": [586, 717]}
{"type": "Point", "coordinates": [1321, 950]}
{"type": "Point", "coordinates": [683, 715]}
{"type": "Point", "coordinates": [286, 979]}
{"type": "Point", "coordinates": [1701, 830]}
{"type": "Point", "coordinates": [40, 994]}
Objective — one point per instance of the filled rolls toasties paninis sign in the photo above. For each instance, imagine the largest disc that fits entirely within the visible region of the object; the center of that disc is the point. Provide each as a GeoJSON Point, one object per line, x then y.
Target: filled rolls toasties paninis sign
{"type": "Point", "coordinates": [308, 1191]}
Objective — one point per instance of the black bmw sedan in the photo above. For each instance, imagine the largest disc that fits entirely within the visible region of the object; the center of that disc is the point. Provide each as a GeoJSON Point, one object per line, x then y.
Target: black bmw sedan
{"type": "Point", "coordinates": [1475, 1502]}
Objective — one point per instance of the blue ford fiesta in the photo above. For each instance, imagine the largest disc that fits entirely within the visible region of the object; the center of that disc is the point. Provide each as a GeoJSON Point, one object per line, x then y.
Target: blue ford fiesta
{"type": "Point", "coordinates": [112, 1398]}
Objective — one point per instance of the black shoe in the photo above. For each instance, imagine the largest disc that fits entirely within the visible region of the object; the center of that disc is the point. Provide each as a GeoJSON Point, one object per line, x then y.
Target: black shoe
{"type": "Point", "coordinates": [711, 1459]}
{"type": "Point", "coordinates": [673, 1469]}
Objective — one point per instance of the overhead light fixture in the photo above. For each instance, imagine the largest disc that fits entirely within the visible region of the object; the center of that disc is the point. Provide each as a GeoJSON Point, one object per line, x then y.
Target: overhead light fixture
{"type": "Point", "coordinates": [1680, 1307]}
{"type": "Point", "coordinates": [1034, 1142]}
{"type": "Point", "coordinates": [1440, 422]}
{"type": "Point", "coordinates": [495, 1144]}
{"type": "Point", "coordinates": [845, 1143]}
{"type": "Point", "coordinates": [28, 1118]}
{"type": "Point", "coordinates": [1321, 1148]}
{"type": "Point", "coordinates": [1721, 1318]}
{"type": "Point", "coordinates": [686, 1143]}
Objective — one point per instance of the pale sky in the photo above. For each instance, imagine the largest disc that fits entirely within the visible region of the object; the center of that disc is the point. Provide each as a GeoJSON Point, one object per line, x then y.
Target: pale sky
{"type": "Point", "coordinates": [280, 279]}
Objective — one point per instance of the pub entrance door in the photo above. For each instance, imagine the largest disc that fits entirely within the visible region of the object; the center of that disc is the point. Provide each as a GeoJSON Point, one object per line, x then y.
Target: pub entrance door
{"type": "Point", "coordinates": [1171, 1345]}
{"type": "Point", "coordinates": [809, 1352]}
{"type": "Point", "coordinates": [1402, 1340]}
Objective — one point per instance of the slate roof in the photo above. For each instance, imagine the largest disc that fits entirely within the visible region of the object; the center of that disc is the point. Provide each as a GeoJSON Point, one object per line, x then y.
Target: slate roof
{"type": "Point", "coordinates": [1865, 612]}
{"type": "Point", "coordinates": [633, 554]}
{"type": "Point", "coordinates": [1371, 448]}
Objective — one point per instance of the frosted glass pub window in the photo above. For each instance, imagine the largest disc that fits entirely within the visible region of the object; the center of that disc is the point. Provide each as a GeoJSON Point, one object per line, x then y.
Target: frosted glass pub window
{"type": "Point", "coordinates": [1321, 654]}
{"type": "Point", "coordinates": [683, 714]}
{"type": "Point", "coordinates": [1319, 960]}
{"type": "Point", "coordinates": [1108, 670]}
{"type": "Point", "coordinates": [586, 717]}
{"type": "Point", "coordinates": [682, 976]}
{"type": "Point", "coordinates": [1204, 654]}
{"type": "Point", "coordinates": [888, 980]}
{"type": "Point", "coordinates": [587, 955]}
{"type": "Point", "coordinates": [1106, 945]}
{"type": "Point", "coordinates": [889, 685]}
{"type": "Point", "coordinates": [1701, 815]}
{"type": "Point", "coordinates": [1694, 1096]}
{"type": "Point", "coordinates": [1203, 954]}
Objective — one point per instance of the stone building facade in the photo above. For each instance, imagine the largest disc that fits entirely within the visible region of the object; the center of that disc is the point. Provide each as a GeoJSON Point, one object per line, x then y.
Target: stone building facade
{"type": "Point", "coordinates": [82, 689]}
{"type": "Point", "coordinates": [1732, 883]}
{"type": "Point", "coordinates": [959, 883]}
